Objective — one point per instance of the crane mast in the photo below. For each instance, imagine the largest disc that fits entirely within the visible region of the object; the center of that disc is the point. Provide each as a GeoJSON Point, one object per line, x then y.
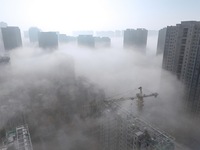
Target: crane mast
{"type": "Point", "coordinates": [139, 97]}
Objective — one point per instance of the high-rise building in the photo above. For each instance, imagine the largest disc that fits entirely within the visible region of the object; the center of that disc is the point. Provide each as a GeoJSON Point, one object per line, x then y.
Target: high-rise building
{"type": "Point", "coordinates": [118, 33]}
{"type": "Point", "coordinates": [1, 42]}
{"type": "Point", "coordinates": [105, 33]}
{"type": "Point", "coordinates": [3, 25]}
{"type": "Point", "coordinates": [102, 42]}
{"type": "Point", "coordinates": [123, 131]}
{"type": "Point", "coordinates": [26, 34]}
{"type": "Point", "coordinates": [63, 38]}
{"type": "Point", "coordinates": [33, 34]}
{"type": "Point", "coordinates": [182, 58]}
{"type": "Point", "coordinates": [161, 41]}
{"type": "Point", "coordinates": [48, 40]}
{"type": "Point", "coordinates": [11, 37]}
{"type": "Point", "coordinates": [135, 38]}
{"type": "Point", "coordinates": [77, 33]}
{"type": "Point", "coordinates": [86, 40]}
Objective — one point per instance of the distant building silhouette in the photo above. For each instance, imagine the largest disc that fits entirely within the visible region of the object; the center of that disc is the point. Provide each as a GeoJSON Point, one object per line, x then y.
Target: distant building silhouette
{"type": "Point", "coordinates": [161, 41]}
{"type": "Point", "coordinates": [48, 40]}
{"type": "Point", "coordinates": [135, 38]}
{"type": "Point", "coordinates": [182, 58]}
{"type": "Point", "coordinates": [105, 33]}
{"type": "Point", "coordinates": [77, 33]}
{"type": "Point", "coordinates": [86, 40]}
{"type": "Point", "coordinates": [102, 42]}
{"type": "Point", "coordinates": [3, 25]}
{"type": "Point", "coordinates": [26, 34]}
{"type": "Point", "coordinates": [4, 60]}
{"type": "Point", "coordinates": [118, 33]}
{"type": "Point", "coordinates": [152, 32]}
{"type": "Point", "coordinates": [33, 34]}
{"type": "Point", "coordinates": [63, 38]}
{"type": "Point", "coordinates": [110, 34]}
{"type": "Point", "coordinates": [2, 49]}
{"type": "Point", "coordinates": [11, 37]}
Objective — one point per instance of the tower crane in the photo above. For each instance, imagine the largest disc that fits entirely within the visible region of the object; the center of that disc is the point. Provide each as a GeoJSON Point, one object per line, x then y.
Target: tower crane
{"type": "Point", "coordinates": [139, 97]}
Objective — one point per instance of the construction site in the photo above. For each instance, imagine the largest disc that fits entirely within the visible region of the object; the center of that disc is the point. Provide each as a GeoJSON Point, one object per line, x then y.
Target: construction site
{"type": "Point", "coordinates": [119, 129]}
{"type": "Point", "coordinates": [113, 128]}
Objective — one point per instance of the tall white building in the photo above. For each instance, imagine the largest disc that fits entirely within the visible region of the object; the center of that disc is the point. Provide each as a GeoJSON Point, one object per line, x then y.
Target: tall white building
{"type": "Point", "coordinates": [182, 57]}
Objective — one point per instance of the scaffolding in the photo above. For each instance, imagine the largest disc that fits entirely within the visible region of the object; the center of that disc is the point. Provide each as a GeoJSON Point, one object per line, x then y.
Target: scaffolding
{"type": "Point", "coordinates": [23, 138]}
{"type": "Point", "coordinates": [18, 138]}
{"type": "Point", "coordinates": [120, 130]}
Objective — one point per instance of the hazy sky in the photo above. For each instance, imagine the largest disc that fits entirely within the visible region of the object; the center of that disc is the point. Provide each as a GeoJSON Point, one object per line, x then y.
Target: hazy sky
{"type": "Point", "coordinates": [67, 15]}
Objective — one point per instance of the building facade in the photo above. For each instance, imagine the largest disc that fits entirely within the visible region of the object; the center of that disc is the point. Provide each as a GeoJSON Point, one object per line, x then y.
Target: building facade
{"type": "Point", "coordinates": [135, 38]}
{"type": "Point", "coordinates": [33, 34]}
{"type": "Point", "coordinates": [102, 42]}
{"type": "Point", "coordinates": [161, 41]}
{"type": "Point", "coordinates": [182, 58]}
{"type": "Point", "coordinates": [119, 129]}
{"type": "Point", "coordinates": [3, 25]}
{"type": "Point", "coordinates": [11, 37]}
{"type": "Point", "coordinates": [48, 40]}
{"type": "Point", "coordinates": [1, 42]}
{"type": "Point", "coordinates": [86, 40]}
{"type": "Point", "coordinates": [63, 38]}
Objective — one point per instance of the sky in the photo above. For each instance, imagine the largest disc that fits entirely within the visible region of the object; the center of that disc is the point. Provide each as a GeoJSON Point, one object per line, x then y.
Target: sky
{"type": "Point", "coordinates": [70, 15]}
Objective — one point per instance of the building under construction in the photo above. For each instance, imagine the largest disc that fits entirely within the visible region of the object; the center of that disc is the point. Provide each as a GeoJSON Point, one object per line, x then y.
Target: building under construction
{"type": "Point", "coordinates": [118, 129]}
{"type": "Point", "coordinates": [112, 128]}
{"type": "Point", "coordinates": [17, 138]}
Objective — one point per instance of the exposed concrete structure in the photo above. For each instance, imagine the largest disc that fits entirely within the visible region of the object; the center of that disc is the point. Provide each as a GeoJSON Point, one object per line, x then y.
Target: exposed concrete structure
{"type": "Point", "coordinates": [118, 129]}
{"type": "Point", "coordinates": [17, 139]}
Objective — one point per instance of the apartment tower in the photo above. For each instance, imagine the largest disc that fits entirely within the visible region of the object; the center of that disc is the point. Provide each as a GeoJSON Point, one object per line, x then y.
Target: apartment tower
{"type": "Point", "coordinates": [182, 58]}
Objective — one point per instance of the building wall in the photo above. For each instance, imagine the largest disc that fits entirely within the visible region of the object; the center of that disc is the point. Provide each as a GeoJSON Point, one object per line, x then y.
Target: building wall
{"type": "Point", "coordinates": [191, 65]}
{"type": "Point", "coordinates": [135, 38]}
{"type": "Point", "coordinates": [1, 43]}
{"type": "Point", "coordinates": [161, 41]}
{"type": "Point", "coordinates": [33, 34]}
{"type": "Point", "coordinates": [63, 38]}
{"type": "Point", "coordinates": [169, 55]}
{"type": "Point", "coordinates": [3, 25]}
{"type": "Point", "coordinates": [182, 57]}
{"type": "Point", "coordinates": [11, 37]}
{"type": "Point", "coordinates": [48, 40]}
{"type": "Point", "coordinates": [86, 40]}
{"type": "Point", "coordinates": [102, 42]}
{"type": "Point", "coordinates": [123, 131]}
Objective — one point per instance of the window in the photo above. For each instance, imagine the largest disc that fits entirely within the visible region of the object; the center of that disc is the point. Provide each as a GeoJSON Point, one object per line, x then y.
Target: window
{"type": "Point", "coordinates": [183, 41]}
{"type": "Point", "coordinates": [185, 31]}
